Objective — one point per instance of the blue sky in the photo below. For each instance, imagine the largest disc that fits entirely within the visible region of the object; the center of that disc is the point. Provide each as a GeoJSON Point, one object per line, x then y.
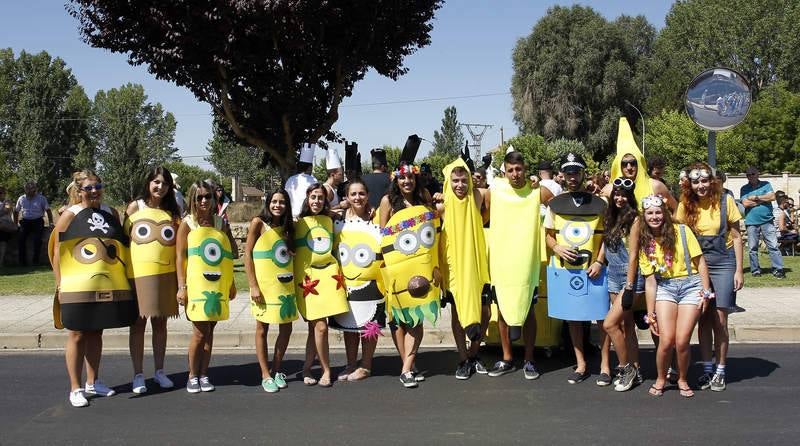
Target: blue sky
{"type": "Point", "coordinates": [470, 54]}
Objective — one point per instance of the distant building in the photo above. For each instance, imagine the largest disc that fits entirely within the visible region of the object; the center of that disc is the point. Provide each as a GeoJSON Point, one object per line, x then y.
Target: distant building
{"type": "Point", "coordinates": [252, 194]}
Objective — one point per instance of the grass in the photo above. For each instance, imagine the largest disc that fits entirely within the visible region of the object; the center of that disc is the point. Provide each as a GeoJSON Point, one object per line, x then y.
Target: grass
{"type": "Point", "coordinates": [39, 280]}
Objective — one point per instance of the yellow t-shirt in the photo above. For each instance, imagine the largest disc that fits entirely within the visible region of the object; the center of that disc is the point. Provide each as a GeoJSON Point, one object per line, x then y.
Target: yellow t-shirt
{"type": "Point", "coordinates": [678, 268]}
{"type": "Point", "coordinates": [708, 221]}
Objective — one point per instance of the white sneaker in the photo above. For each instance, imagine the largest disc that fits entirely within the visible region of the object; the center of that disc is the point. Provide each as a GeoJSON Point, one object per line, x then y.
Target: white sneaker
{"type": "Point", "coordinates": [77, 399]}
{"type": "Point", "coordinates": [193, 385]}
{"type": "Point", "coordinates": [163, 381]}
{"type": "Point", "coordinates": [205, 384]}
{"type": "Point", "coordinates": [99, 389]}
{"type": "Point", "coordinates": [138, 384]}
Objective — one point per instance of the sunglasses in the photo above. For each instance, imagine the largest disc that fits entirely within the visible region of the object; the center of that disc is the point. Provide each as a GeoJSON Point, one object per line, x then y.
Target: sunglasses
{"type": "Point", "coordinates": [696, 174]}
{"type": "Point", "coordinates": [92, 187]}
{"type": "Point", "coordinates": [652, 201]}
{"type": "Point", "coordinates": [632, 163]}
{"type": "Point", "coordinates": [625, 183]}
{"type": "Point", "coordinates": [200, 198]}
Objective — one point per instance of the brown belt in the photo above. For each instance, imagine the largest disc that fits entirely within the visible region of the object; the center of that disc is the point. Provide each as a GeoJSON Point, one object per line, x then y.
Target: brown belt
{"type": "Point", "coordinates": [82, 297]}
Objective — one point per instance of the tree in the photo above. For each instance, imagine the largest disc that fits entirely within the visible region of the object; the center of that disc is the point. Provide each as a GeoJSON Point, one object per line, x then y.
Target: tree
{"type": "Point", "coordinates": [450, 139]}
{"type": "Point", "coordinates": [275, 71]}
{"type": "Point", "coordinates": [437, 161]}
{"type": "Point", "coordinates": [230, 159]}
{"type": "Point", "coordinates": [532, 147]}
{"type": "Point", "coordinates": [189, 174]}
{"type": "Point", "coordinates": [132, 136]}
{"type": "Point", "coordinates": [574, 72]}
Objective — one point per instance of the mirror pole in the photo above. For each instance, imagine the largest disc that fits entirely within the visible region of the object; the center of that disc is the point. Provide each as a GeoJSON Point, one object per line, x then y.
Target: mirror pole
{"type": "Point", "coordinates": [712, 149]}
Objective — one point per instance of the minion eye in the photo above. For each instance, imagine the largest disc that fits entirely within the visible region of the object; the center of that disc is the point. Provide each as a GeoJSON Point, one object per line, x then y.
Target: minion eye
{"type": "Point", "coordinates": [88, 252]}
{"type": "Point", "coordinates": [212, 252]}
{"type": "Point", "coordinates": [576, 233]}
{"type": "Point", "coordinates": [168, 233]}
{"type": "Point", "coordinates": [427, 235]}
{"type": "Point", "coordinates": [344, 254]}
{"type": "Point", "coordinates": [282, 256]}
{"type": "Point", "coordinates": [407, 242]}
{"type": "Point", "coordinates": [321, 244]}
{"type": "Point", "coordinates": [363, 256]}
{"type": "Point", "coordinates": [142, 231]}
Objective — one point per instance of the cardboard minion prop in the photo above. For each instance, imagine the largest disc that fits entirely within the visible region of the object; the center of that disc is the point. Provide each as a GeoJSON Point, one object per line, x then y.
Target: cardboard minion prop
{"type": "Point", "coordinates": [577, 219]}
{"type": "Point", "coordinates": [358, 245]}
{"type": "Point", "coordinates": [152, 232]}
{"type": "Point", "coordinates": [274, 268]}
{"type": "Point", "coordinates": [465, 251]}
{"type": "Point", "coordinates": [209, 272]}
{"type": "Point", "coordinates": [95, 292]}
{"type": "Point", "coordinates": [514, 249]}
{"type": "Point", "coordinates": [319, 282]}
{"type": "Point", "coordinates": [626, 145]}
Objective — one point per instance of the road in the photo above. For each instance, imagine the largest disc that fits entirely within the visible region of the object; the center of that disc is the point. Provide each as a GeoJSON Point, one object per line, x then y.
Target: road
{"type": "Point", "coordinates": [760, 405]}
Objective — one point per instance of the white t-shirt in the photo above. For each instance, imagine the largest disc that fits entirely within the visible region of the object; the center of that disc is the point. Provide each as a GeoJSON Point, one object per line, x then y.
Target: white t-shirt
{"type": "Point", "coordinates": [553, 187]}
{"type": "Point", "coordinates": [296, 186]}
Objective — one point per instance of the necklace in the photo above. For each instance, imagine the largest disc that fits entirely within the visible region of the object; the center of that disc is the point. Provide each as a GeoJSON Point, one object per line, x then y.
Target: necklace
{"type": "Point", "coordinates": [651, 256]}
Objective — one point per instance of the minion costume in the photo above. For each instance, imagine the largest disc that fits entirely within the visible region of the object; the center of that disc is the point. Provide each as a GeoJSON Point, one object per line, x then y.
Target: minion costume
{"type": "Point", "coordinates": [95, 292]}
{"type": "Point", "coordinates": [514, 248]}
{"type": "Point", "coordinates": [274, 269]}
{"type": "Point", "coordinates": [152, 266]}
{"type": "Point", "coordinates": [209, 272]}
{"type": "Point", "coordinates": [465, 249]}
{"type": "Point", "coordinates": [577, 219]}
{"type": "Point", "coordinates": [358, 246]}
{"type": "Point", "coordinates": [319, 282]}
{"type": "Point", "coordinates": [411, 265]}
{"type": "Point", "coordinates": [626, 145]}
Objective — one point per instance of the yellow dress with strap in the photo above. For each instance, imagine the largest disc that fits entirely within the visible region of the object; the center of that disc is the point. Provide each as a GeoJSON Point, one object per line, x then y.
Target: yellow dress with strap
{"type": "Point", "coordinates": [209, 271]}
{"type": "Point", "coordinates": [274, 267]}
{"type": "Point", "coordinates": [319, 282]}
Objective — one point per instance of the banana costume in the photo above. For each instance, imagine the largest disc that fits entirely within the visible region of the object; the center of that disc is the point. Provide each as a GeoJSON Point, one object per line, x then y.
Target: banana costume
{"type": "Point", "coordinates": [95, 292]}
{"type": "Point", "coordinates": [209, 272]}
{"type": "Point", "coordinates": [514, 248]}
{"type": "Point", "coordinates": [152, 266]}
{"type": "Point", "coordinates": [465, 249]}
{"type": "Point", "coordinates": [274, 269]}
{"type": "Point", "coordinates": [577, 219]}
{"type": "Point", "coordinates": [411, 265]}
{"type": "Point", "coordinates": [626, 145]}
{"type": "Point", "coordinates": [319, 282]}
{"type": "Point", "coordinates": [358, 246]}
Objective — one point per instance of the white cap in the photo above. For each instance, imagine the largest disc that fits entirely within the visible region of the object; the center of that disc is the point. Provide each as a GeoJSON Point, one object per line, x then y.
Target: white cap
{"type": "Point", "coordinates": [175, 180]}
{"type": "Point", "coordinates": [307, 153]}
{"type": "Point", "coordinates": [332, 160]}
{"type": "Point", "coordinates": [510, 148]}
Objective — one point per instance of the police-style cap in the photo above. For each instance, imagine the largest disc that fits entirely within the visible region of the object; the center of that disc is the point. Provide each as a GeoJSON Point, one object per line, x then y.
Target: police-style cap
{"type": "Point", "coordinates": [573, 163]}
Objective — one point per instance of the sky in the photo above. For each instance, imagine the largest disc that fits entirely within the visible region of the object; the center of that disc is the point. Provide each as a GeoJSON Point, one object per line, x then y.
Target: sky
{"type": "Point", "coordinates": [468, 65]}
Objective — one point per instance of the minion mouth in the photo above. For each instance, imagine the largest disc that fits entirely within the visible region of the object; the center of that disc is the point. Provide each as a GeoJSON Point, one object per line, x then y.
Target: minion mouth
{"type": "Point", "coordinates": [285, 277]}
{"type": "Point", "coordinates": [100, 274]}
{"type": "Point", "coordinates": [212, 276]}
{"type": "Point", "coordinates": [352, 278]}
{"type": "Point", "coordinates": [321, 266]}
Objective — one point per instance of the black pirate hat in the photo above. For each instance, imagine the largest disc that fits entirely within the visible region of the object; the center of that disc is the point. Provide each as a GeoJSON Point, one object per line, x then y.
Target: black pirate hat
{"type": "Point", "coordinates": [92, 222]}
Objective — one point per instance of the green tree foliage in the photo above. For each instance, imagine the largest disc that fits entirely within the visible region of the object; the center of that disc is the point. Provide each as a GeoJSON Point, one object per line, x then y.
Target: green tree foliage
{"type": "Point", "coordinates": [437, 161]}
{"type": "Point", "coordinates": [230, 159]}
{"type": "Point", "coordinates": [189, 174]}
{"type": "Point", "coordinates": [449, 140]}
{"type": "Point", "coordinates": [131, 135]}
{"type": "Point", "coordinates": [535, 149]}
{"type": "Point", "coordinates": [574, 72]}
{"type": "Point", "coordinates": [43, 115]}
{"type": "Point", "coordinates": [758, 38]}
{"type": "Point", "coordinates": [275, 71]}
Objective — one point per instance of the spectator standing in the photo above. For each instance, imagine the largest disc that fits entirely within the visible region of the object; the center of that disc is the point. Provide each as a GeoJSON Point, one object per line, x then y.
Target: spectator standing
{"type": "Point", "coordinates": [427, 179]}
{"type": "Point", "coordinates": [7, 225]}
{"type": "Point", "coordinates": [30, 210]}
{"type": "Point", "coordinates": [378, 181]}
{"type": "Point", "coordinates": [757, 197]}
{"type": "Point", "coordinates": [298, 183]}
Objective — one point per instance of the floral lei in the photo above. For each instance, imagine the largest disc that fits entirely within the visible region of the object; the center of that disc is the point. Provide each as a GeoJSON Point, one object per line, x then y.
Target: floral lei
{"type": "Point", "coordinates": [651, 255]}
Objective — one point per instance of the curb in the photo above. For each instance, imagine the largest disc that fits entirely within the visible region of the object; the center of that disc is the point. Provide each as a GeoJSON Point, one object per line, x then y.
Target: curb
{"type": "Point", "coordinates": [434, 338]}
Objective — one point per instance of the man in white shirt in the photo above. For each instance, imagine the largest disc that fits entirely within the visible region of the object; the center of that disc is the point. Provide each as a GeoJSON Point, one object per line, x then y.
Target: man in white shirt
{"type": "Point", "coordinates": [29, 214]}
{"type": "Point", "coordinates": [298, 183]}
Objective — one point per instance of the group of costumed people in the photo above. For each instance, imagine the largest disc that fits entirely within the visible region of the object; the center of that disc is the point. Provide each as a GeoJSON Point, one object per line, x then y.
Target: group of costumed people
{"type": "Point", "coordinates": [494, 254]}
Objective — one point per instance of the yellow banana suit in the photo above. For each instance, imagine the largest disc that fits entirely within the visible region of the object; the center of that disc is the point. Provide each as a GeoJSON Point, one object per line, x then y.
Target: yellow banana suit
{"type": "Point", "coordinates": [626, 145]}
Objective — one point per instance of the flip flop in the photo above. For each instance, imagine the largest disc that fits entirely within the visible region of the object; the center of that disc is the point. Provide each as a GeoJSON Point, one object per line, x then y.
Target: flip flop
{"type": "Point", "coordinates": [344, 374]}
{"type": "Point", "coordinates": [686, 392]}
{"type": "Point", "coordinates": [359, 374]}
{"type": "Point", "coordinates": [309, 381]}
{"type": "Point", "coordinates": [325, 382]}
{"type": "Point", "coordinates": [655, 391]}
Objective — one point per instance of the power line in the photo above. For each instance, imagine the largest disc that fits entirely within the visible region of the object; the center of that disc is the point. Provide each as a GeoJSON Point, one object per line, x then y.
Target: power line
{"type": "Point", "coordinates": [411, 101]}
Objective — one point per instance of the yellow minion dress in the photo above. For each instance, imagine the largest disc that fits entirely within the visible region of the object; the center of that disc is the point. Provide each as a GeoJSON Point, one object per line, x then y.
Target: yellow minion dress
{"type": "Point", "coordinates": [411, 265]}
{"type": "Point", "coordinates": [465, 249]}
{"type": "Point", "coordinates": [626, 145]}
{"type": "Point", "coordinates": [209, 271]}
{"type": "Point", "coordinates": [514, 248]}
{"type": "Point", "coordinates": [95, 292]}
{"type": "Point", "coordinates": [152, 266]}
{"type": "Point", "coordinates": [274, 269]}
{"type": "Point", "coordinates": [319, 282]}
{"type": "Point", "coordinates": [358, 247]}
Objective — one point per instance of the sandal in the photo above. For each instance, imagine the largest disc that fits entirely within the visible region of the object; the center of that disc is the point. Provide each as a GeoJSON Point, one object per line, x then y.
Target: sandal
{"type": "Point", "coordinates": [324, 382]}
{"type": "Point", "coordinates": [656, 391]}
{"type": "Point", "coordinates": [359, 374]}
{"type": "Point", "coordinates": [309, 380]}
{"type": "Point", "coordinates": [345, 374]}
{"type": "Point", "coordinates": [686, 392]}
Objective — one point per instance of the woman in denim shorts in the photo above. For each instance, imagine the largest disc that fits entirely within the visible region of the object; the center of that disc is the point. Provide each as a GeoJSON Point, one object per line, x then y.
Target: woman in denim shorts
{"type": "Point", "coordinates": [714, 218]}
{"type": "Point", "coordinates": [677, 288]}
{"type": "Point", "coordinates": [619, 325]}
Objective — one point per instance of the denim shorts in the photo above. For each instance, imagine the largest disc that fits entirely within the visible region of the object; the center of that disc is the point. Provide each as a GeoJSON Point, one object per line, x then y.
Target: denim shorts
{"type": "Point", "coordinates": [680, 290]}
{"type": "Point", "coordinates": [618, 276]}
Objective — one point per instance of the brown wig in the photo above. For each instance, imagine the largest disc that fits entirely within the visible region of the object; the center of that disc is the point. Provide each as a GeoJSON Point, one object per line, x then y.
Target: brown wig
{"type": "Point", "coordinates": [690, 200]}
{"type": "Point", "coordinates": [326, 206]}
{"type": "Point", "coordinates": [618, 221]}
{"type": "Point", "coordinates": [668, 233]}
{"type": "Point", "coordinates": [286, 221]}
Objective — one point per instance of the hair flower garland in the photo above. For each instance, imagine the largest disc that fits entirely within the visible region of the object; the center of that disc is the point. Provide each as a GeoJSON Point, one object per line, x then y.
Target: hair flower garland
{"type": "Point", "coordinates": [405, 169]}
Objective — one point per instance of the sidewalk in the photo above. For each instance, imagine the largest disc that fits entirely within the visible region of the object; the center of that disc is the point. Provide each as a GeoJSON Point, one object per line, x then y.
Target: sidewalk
{"type": "Point", "coordinates": [773, 315]}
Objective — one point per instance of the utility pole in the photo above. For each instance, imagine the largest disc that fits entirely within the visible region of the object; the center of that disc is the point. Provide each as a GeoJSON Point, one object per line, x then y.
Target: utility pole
{"type": "Point", "coordinates": [476, 131]}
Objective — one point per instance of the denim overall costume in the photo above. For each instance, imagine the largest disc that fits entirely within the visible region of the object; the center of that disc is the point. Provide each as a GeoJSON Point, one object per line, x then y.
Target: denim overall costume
{"type": "Point", "coordinates": [617, 260]}
{"type": "Point", "coordinates": [720, 260]}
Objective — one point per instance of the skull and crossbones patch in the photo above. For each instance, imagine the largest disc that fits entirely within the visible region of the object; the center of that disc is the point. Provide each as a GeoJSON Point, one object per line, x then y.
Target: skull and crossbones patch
{"type": "Point", "coordinates": [97, 222]}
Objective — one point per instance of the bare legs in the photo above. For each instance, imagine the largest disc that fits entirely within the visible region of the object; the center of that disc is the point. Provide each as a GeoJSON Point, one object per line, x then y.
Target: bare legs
{"type": "Point", "coordinates": [200, 348]}
{"type": "Point", "coordinates": [465, 353]}
{"type": "Point", "coordinates": [83, 345]}
{"type": "Point", "coordinates": [713, 332]}
{"type": "Point", "coordinates": [317, 345]}
{"type": "Point", "coordinates": [136, 342]}
{"type": "Point", "coordinates": [675, 326]}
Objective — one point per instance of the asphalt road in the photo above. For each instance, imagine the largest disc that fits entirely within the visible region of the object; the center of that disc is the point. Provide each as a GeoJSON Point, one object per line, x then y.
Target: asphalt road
{"type": "Point", "coordinates": [759, 407]}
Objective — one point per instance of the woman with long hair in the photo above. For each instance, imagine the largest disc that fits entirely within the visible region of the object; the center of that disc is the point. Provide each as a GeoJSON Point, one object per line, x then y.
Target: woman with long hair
{"type": "Point", "coordinates": [677, 288]}
{"type": "Point", "coordinates": [205, 278]}
{"type": "Point", "coordinates": [268, 264]}
{"type": "Point", "coordinates": [405, 191]}
{"type": "Point", "coordinates": [714, 218]}
{"type": "Point", "coordinates": [618, 324]}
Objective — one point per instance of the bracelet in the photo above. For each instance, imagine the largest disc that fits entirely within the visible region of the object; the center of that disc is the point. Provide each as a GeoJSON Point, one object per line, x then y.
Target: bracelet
{"type": "Point", "coordinates": [182, 287]}
{"type": "Point", "coordinates": [599, 263]}
{"type": "Point", "coordinates": [708, 294]}
{"type": "Point", "coordinates": [649, 318]}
